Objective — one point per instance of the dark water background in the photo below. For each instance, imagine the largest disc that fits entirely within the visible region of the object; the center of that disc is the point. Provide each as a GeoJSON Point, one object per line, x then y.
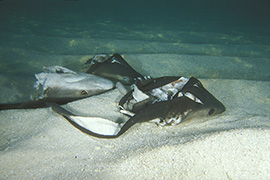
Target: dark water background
{"type": "Point", "coordinates": [208, 39]}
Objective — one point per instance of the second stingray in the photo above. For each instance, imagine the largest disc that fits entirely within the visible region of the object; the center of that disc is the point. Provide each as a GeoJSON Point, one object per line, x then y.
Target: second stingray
{"type": "Point", "coordinates": [165, 101]}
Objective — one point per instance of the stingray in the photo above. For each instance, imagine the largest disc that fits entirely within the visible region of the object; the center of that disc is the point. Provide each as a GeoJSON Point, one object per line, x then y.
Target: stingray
{"type": "Point", "coordinates": [166, 101]}
{"type": "Point", "coordinates": [61, 85]}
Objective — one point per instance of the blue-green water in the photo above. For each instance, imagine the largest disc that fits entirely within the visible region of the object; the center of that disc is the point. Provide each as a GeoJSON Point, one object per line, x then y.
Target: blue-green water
{"type": "Point", "coordinates": [226, 44]}
{"type": "Point", "coordinates": [206, 39]}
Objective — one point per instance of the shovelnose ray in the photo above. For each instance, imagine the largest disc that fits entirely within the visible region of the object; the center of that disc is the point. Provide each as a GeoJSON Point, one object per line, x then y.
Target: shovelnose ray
{"type": "Point", "coordinates": [165, 101]}
{"type": "Point", "coordinates": [62, 85]}
{"type": "Point", "coordinates": [114, 68]}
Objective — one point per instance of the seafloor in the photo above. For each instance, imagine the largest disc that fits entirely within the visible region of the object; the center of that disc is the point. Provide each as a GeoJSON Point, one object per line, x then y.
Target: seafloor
{"type": "Point", "coordinates": [228, 51]}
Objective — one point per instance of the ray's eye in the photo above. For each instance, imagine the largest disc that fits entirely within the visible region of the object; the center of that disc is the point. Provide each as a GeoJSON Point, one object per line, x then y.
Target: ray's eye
{"type": "Point", "coordinates": [59, 71]}
{"type": "Point", "coordinates": [126, 79]}
{"type": "Point", "coordinates": [211, 112]}
{"type": "Point", "coordinates": [83, 92]}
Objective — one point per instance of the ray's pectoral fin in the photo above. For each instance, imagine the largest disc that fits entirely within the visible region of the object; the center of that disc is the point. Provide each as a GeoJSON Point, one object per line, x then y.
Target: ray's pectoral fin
{"type": "Point", "coordinates": [95, 126]}
{"type": "Point", "coordinates": [114, 68]}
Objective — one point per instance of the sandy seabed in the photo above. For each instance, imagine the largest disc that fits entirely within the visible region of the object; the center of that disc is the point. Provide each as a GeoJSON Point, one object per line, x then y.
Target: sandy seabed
{"type": "Point", "coordinates": [39, 144]}
{"type": "Point", "coordinates": [232, 62]}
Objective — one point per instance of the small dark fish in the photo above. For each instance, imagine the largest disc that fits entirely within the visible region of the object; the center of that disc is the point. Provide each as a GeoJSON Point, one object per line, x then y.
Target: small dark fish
{"type": "Point", "coordinates": [114, 68]}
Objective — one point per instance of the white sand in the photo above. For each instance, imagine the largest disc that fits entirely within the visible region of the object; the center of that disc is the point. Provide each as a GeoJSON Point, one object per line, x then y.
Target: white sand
{"type": "Point", "coordinates": [171, 40]}
{"type": "Point", "coordinates": [39, 144]}
{"type": "Point", "coordinates": [235, 154]}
